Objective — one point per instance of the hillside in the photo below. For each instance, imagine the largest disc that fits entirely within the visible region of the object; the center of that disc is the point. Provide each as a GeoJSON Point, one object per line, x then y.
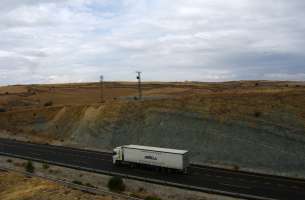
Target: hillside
{"type": "Point", "coordinates": [256, 126]}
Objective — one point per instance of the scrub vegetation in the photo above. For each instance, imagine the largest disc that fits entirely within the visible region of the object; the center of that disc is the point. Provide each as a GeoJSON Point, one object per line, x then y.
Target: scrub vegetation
{"type": "Point", "coordinates": [29, 167]}
{"type": "Point", "coordinates": [116, 184]}
{"type": "Point", "coordinates": [152, 198]}
{"type": "Point", "coordinates": [18, 187]}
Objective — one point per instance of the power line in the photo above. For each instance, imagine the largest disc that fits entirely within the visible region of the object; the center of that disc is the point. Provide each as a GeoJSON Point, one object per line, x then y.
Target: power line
{"type": "Point", "coordinates": [102, 88]}
{"type": "Point", "coordinates": [139, 84]}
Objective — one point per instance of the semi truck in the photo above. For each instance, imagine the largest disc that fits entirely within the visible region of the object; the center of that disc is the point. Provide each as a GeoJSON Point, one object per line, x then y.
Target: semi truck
{"type": "Point", "coordinates": [137, 155]}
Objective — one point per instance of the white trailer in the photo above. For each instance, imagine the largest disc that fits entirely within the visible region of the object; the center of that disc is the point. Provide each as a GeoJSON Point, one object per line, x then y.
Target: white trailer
{"type": "Point", "coordinates": [151, 156]}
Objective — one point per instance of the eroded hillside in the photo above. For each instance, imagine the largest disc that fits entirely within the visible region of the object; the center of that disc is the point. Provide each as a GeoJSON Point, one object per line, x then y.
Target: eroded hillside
{"type": "Point", "coordinates": [257, 126]}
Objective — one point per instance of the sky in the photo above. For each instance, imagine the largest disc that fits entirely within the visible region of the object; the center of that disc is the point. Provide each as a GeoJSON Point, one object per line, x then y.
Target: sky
{"type": "Point", "coordinates": [56, 41]}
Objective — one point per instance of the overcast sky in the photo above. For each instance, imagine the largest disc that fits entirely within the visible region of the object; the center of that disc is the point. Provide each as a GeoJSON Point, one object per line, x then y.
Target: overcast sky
{"type": "Point", "coordinates": [49, 41]}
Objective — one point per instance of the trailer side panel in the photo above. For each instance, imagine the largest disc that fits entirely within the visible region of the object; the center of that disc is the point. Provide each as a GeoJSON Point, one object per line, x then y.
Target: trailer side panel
{"type": "Point", "coordinates": [155, 158]}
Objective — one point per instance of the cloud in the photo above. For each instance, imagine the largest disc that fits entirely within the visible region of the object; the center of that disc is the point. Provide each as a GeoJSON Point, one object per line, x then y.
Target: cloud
{"type": "Point", "coordinates": [210, 40]}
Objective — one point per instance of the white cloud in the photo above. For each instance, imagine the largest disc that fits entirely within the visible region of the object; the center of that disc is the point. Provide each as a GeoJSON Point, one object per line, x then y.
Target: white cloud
{"type": "Point", "coordinates": [285, 76]}
{"type": "Point", "coordinates": [203, 40]}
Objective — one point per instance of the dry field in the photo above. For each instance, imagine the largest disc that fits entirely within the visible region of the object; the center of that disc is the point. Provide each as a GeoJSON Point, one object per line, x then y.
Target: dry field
{"type": "Point", "coordinates": [18, 187]}
{"type": "Point", "coordinates": [35, 96]}
{"type": "Point", "coordinates": [224, 101]}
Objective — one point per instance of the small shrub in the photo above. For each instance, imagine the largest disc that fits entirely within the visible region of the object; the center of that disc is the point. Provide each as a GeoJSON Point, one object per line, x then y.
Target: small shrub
{"type": "Point", "coordinates": [17, 164]}
{"type": "Point", "coordinates": [49, 103]}
{"type": "Point", "coordinates": [45, 166]}
{"type": "Point", "coordinates": [152, 198]}
{"type": "Point", "coordinates": [89, 185]}
{"type": "Point", "coordinates": [9, 160]}
{"type": "Point", "coordinates": [77, 182]}
{"type": "Point", "coordinates": [257, 114]}
{"type": "Point", "coordinates": [136, 195]}
{"type": "Point", "coordinates": [67, 192]}
{"type": "Point", "coordinates": [116, 184]}
{"type": "Point", "coordinates": [29, 167]}
{"type": "Point", "coordinates": [236, 167]}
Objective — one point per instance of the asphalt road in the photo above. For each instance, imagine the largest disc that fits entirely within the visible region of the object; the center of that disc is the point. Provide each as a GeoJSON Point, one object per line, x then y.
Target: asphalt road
{"type": "Point", "coordinates": [220, 180]}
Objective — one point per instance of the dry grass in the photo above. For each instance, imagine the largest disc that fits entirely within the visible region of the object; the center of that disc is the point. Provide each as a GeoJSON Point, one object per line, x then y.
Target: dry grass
{"type": "Point", "coordinates": [16, 97]}
{"type": "Point", "coordinates": [17, 187]}
{"type": "Point", "coordinates": [13, 89]}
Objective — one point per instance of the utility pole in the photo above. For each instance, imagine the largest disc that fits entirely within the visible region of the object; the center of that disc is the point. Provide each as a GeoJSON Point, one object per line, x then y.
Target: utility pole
{"type": "Point", "coordinates": [139, 84]}
{"type": "Point", "coordinates": [102, 88]}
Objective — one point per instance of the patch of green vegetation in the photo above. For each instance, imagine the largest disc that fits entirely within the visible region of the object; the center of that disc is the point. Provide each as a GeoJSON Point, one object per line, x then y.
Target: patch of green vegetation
{"type": "Point", "coordinates": [116, 184]}
{"type": "Point", "coordinates": [152, 198]}
{"type": "Point", "coordinates": [29, 167]}
{"type": "Point", "coordinates": [77, 182]}
{"type": "Point", "coordinates": [45, 166]}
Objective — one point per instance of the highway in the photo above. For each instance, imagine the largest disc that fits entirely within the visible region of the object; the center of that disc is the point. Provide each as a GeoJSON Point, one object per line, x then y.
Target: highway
{"type": "Point", "coordinates": [200, 178]}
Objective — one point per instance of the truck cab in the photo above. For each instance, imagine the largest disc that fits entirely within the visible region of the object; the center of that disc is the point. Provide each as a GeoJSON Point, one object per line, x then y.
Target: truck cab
{"type": "Point", "coordinates": [117, 155]}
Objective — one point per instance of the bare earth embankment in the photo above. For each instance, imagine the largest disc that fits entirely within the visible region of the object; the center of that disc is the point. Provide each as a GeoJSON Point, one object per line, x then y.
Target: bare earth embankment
{"type": "Point", "coordinates": [255, 125]}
